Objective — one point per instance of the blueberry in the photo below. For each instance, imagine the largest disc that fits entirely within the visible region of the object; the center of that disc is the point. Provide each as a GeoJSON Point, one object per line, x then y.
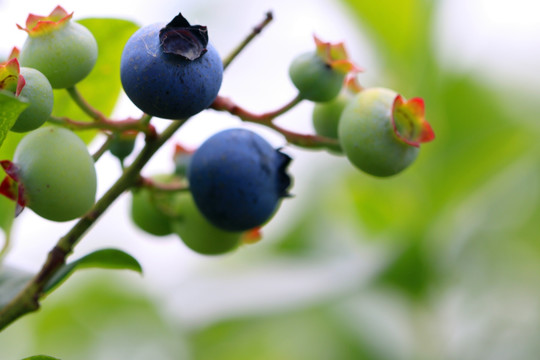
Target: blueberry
{"type": "Point", "coordinates": [238, 179]}
{"type": "Point", "coordinates": [171, 71]}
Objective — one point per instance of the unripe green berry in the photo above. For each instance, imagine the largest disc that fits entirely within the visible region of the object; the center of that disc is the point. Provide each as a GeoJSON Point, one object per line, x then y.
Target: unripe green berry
{"type": "Point", "coordinates": [367, 136]}
{"type": "Point", "coordinates": [122, 144]}
{"type": "Point", "coordinates": [39, 94]}
{"type": "Point", "coordinates": [199, 234]}
{"type": "Point", "coordinates": [151, 210]}
{"type": "Point", "coordinates": [314, 79]}
{"type": "Point", "coordinates": [57, 173]}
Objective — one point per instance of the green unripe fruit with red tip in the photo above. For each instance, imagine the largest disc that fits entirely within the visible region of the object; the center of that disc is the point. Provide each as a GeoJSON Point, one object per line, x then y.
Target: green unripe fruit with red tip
{"type": "Point", "coordinates": [63, 50]}
{"type": "Point", "coordinates": [314, 79]}
{"type": "Point", "coordinates": [367, 135]}
{"type": "Point", "coordinates": [319, 75]}
{"type": "Point", "coordinates": [199, 234]}
{"type": "Point", "coordinates": [57, 174]}
{"type": "Point", "coordinates": [39, 94]}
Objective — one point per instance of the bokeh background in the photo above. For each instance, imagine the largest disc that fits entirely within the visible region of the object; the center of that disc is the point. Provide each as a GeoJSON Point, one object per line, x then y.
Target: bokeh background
{"type": "Point", "coordinates": [439, 262]}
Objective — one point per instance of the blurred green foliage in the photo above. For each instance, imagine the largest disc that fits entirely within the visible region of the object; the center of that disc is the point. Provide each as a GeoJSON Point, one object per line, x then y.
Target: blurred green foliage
{"type": "Point", "coordinates": [457, 272]}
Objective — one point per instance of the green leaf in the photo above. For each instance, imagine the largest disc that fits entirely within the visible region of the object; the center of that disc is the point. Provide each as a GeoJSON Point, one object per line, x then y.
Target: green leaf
{"type": "Point", "coordinates": [104, 259]}
{"type": "Point", "coordinates": [10, 108]}
{"type": "Point", "coordinates": [40, 357]}
{"type": "Point", "coordinates": [102, 87]}
{"type": "Point", "coordinates": [12, 281]}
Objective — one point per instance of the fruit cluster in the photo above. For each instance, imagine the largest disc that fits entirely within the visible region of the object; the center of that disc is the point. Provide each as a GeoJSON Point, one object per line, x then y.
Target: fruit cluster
{"type": "Point", "coordinates": [224, 191]}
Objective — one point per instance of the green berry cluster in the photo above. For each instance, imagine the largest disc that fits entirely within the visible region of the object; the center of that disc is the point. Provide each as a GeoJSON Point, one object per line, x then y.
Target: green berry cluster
{"type": "Point", "coordinates": [233, 184]}
{"type": "Point", "coordinates": [377, 130]}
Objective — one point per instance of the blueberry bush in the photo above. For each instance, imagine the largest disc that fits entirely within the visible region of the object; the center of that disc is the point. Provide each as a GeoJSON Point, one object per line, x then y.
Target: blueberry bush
{"type": "Point", "coordinates": [220, 197]}
{"type": "Point", "coordinates": [232, 184]}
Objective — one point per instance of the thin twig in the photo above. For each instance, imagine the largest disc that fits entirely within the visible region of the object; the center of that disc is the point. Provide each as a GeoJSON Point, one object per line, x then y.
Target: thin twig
{"type": "Point", "coordinates": [266, 119]}
{"type": "Point", "coordinates": [84, 105]}
{"type": "Point", "coordinates": [104, 124]}
{"type": "Point", "coordinates": [255, 31]}
{"type": "Point", "coordinates": [176, 185]}
{"type": "Point", "coordinates": [103, 148]}
{"type": "Point", "coordinates": [6, 245]}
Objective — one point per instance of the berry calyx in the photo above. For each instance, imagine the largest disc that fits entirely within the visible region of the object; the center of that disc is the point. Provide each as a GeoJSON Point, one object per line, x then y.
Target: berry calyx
{"type": "Point", "coordinates": [10, 77]}
{"type": "Point", "coordinates": [170, 70]}
{"type": "Point", "coordinates": [319, 75]}
{"type": "Point", "coordinates": [37, 25]}
{"type": "Point", "coordinates": [182, 157]}
{"type": "Point", "coordinates": [63, 50]}
{"type": "Point", "coordinates": [409, 123]}
{"type": "Point", "coordinates": [238, 179]}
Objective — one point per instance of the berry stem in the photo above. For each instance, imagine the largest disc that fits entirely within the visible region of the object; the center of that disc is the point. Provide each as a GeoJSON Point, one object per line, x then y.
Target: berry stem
{"type": "Point", "coordinates": [102, 149]}
{"type": "Point", "coordinates": [28, 299]}
{"type": "Point", "coordinates": [267, 119]}
{"type": "Point", "coordinates": [104, 124]}
{"type": "Point", "coordinates": [84, 105]}
{"type": "Point", "coordinates": [178, 185]}
{"type": "Point", "coordinates": [255, 31]}
{"type": "Point", "coordinates": [6, 246]}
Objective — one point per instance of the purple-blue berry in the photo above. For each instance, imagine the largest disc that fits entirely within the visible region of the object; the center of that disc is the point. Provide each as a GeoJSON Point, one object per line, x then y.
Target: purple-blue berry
{"type": "Point", "coordinates": [171, 71]}
{"type": "Point", "coordinates": [238, 179]}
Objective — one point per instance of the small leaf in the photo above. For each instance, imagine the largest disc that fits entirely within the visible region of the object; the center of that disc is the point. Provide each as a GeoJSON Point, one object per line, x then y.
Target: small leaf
{"type": "Point", "coordinates": [10, 109]}
{"type": "Point", "coordinates": [103, 259]}
{"type": "Point", "coordinates": [41, 357]}
{"type": "Point", "coordinates": [12, 281]}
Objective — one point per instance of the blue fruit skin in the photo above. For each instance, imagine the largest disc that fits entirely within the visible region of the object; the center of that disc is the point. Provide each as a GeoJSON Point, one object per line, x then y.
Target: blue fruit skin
{"type": "Point", "coordinates": [165, 85]}
{"type": "Point", "coordinates": [237, 179]}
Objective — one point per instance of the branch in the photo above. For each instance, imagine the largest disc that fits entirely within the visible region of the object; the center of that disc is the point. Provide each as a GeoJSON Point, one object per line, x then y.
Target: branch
{"type": "Point", "coordinates": [28, 299]}
{"type": "Point", "coordinates": [104, 124]}
{"type": "Point", "coordinates": [84, 105]}
{"type": "Point", "coordinates": [266, 119]}
{"type": "Point", "coordinates": [256, 31]}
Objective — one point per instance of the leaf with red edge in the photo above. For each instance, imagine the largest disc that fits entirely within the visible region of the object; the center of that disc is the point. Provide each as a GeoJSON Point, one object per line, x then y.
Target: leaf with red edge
{"type": "Point", "coordinates": [409, 123]}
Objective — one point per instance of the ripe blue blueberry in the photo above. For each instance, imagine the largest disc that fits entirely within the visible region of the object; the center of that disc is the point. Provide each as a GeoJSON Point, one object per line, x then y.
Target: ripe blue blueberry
{"type": "Point", "coordinates": [171, 71]}
{"type": "Point", "coordinates": [238, 179]}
